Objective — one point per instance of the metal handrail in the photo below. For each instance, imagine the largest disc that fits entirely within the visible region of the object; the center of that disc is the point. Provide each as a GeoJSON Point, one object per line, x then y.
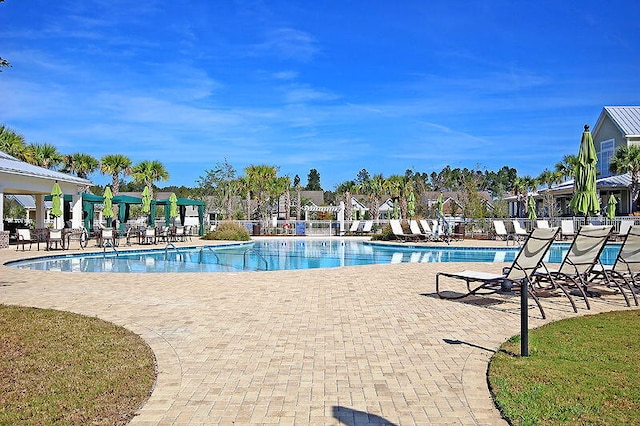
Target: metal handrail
{"type": "Point", "coordinates": [212, 251]}
{"type": "Point", "coordinates": [166, 252]}
{"type": "Point", "coordinates": [104, 248]}
{"type": "Point", "coordinates": [252, 250]}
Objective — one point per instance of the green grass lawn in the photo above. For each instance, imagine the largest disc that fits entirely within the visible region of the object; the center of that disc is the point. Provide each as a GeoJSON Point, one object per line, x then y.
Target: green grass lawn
{"type": "Point", "coordinates": [582, 371]}
{"type": "Point", "coordinates": [63, 368]}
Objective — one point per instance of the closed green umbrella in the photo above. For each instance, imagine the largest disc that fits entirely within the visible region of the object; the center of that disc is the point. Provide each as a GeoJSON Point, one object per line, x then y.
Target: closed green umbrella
{"type": "Point", "coordinates": [173, 206]}
{"type": "Point", "coordinates": [411, 204]}
{"type": "Point", "coordinates": [146, 200]}
{"type": "Point", "coordinates": [585, 200]}
{"type": "Point", "coordinates": [108, 206]}
{"type": "Point", "coordinates": [611, 207]}
{"type": "Point", "coordinates": [531, 206]}
{"type": "Point", "coordinates": [440, 203]}
{"type": "Point", "coordinates": [56, 203]}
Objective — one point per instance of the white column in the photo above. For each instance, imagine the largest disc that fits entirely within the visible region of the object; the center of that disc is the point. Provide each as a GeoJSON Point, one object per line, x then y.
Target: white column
{"type": "Point", "coordinates": [40, 211]}
{"type": "Point", "coordinates": [341, 217]}
{"type": "Point", "coordinates": [1, 208]}
{"type": "Point", "coordinates": [76, 211]}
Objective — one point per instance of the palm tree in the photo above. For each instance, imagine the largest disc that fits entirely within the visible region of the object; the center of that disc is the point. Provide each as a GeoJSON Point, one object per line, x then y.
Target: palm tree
{"type": "Point", "coordinates": [43, 155]}
{"type": "Point", "coordinates": [259, 179]}
{"type": "Point", "coordinates": [148, 172]}
{"type": "Point", "coordinates": [627, 160]}
{"type": "Point", "coordinates": [82, 165]}
{"type": "Point", "coordinates": [549, 178]}
{"type": "Point", "coordinates": [567, 167]}
{"type": "Point", "coordinates": [114, 165]}
{"type": "Point", "coordinates": [375, 188]}
{"type": "Point", "coordinates": [347, 189]}
{"type": "Point", "coordinates": [12, 143]}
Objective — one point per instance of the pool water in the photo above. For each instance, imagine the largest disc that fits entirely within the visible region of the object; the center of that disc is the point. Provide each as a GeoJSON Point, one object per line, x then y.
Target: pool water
{"type": "Point", "coordinates": [281, 255]}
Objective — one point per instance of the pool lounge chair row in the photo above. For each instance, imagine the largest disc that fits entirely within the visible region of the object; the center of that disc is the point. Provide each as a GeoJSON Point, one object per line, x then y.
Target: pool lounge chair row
{"type": "Point", "coordinates": [580, 269]}
{"type": "Point", "coordinates": [433, 232]}
{"type": "Point", "coordinates": [567, 229]}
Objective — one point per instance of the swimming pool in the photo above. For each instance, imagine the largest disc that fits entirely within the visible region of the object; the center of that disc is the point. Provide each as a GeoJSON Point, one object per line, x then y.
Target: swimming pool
{"type": "Point", "coordinates": [273, 255]}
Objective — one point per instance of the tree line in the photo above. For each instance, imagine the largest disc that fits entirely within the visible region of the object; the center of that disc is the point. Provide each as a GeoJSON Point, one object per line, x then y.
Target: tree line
{"type": "Point", "coordinates": [257, 193]}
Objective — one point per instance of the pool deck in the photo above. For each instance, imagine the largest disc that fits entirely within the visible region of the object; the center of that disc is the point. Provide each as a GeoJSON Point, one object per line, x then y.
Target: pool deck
{"type": "Point", "coordinates": [353, 346]}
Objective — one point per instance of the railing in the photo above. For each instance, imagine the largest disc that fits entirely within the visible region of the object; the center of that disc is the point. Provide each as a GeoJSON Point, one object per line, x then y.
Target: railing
{"type": "Point", "coordinates": [106, 245]}
{"type": "Point", "coordinates": [254, 251]}
{"type": "Point", "coordinates": [178, 254]}
{"type": "Point", "coordinates": [200, 259]}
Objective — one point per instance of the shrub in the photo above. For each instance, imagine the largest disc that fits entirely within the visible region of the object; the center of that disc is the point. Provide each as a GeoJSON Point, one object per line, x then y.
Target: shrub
{"type": "Point", "coordinates": [385, 235]}
{"type": "Point", "coordinates": [230, 231]}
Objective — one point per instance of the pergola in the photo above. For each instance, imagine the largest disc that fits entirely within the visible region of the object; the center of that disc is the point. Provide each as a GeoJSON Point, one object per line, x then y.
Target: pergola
{"type": "Point", "coordinates": [21, 178]}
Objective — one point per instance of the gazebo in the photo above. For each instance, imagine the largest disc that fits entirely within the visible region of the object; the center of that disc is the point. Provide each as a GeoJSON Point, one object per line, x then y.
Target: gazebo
{"type": "Point", "coordinates": [21, 178]}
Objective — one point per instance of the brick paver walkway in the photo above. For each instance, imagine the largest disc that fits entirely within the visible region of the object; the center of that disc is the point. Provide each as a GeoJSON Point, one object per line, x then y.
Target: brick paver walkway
{"type": "Point", "coordinates": [353, 346]}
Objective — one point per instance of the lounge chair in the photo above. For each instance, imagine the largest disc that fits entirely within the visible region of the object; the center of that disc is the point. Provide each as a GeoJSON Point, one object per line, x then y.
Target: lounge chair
{"type": "Point", "coordinates": [426, 229]}
{"type": "Point", "coordinates": [519, 230]}
{"type": "Point", "coordinates": [566, 229]}
{"type": "Point", "coordinates": [501, 231]}
{"type": "Point", "coordinates": [583, 255]}
{"type": "Point", "coordinates": [625, 270]}
{"type": "Point", "coordinates": [354, 227]}
{"type": "Point", "coordinates": [625, 226]}
{"type": "Point", "coordinates": [542, 223]}
{"type": "Point", "coordinates": [519, 274]}
{"type": "Point", "coordinates": [367, 228]}
{"type": "Point", "coordinates": [396, 228]}
{"type": "Point", "coordinates": [415, 229]}
{"type": "Point", "coordinates": [24, 236]}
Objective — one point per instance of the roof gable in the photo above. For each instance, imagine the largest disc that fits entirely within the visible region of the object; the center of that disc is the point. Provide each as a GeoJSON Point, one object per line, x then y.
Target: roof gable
{"type": "Point", "coordinates": [626, 118]}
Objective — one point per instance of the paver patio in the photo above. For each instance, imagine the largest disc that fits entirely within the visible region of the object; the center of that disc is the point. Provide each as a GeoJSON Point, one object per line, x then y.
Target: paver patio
{"type": "Point", "coordinates": [354, 346]}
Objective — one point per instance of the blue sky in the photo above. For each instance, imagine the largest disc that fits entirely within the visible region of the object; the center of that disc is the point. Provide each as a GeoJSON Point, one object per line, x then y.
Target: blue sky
{"type": "Point", "coordinates": [332, 85]}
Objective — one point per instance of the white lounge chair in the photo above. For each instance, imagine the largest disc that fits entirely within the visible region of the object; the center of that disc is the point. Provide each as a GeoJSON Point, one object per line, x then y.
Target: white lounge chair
{"type": "Point", "coordinates": [367, 228]}
{"type": "Point", "coordinates": [396, 228]}
{"type": "Point", "coordinates": [518, 276]}
{"type": "Point", "coordinates": [625, 226]}
{"type": "Point", "coordinates": [415, 229]}
{"type": "Point", "coordinates": [566, 228]}
{"type": "Point", "coordinates": [501, 231]}
{"type": "Point", "coordinates": [519, 230]}
{"type": "Point", "coordinates": [354, 226]}
{"type": "Point", "coordinates": [542, 223]}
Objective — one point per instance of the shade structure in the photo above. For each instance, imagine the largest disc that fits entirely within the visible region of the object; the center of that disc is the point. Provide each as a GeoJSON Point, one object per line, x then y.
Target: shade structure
{"type": "Point", "coordinates": [585, 200]}
{"type": "Point", "coordinates": [173, 206]}
{"type": "Point", "coordinates": [611, 207]}
{"type": "Point", "coordinates": [440, 204]}
{"type": "Point", "coordinates": [108, 205]}
{"type": "Point", "coordinates": [411, 204]}
{"type": "Point", "coordinates": [531, 206]}
{"type": "Point", "coordinates": [146, 200]}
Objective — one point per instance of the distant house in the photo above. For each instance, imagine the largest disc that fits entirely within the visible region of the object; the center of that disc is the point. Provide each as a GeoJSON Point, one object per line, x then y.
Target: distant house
{"type": "Point", "coordinates": [617, 126]}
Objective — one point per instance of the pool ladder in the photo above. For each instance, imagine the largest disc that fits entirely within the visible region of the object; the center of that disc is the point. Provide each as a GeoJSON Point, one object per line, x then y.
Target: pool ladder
{"type": "Point", "coordinates": [178, 254]}
{"type": "Point", "coordinates": [201, 260]}
{"type": "Point", "coordinates": [104, 248]}
{"type": "Point", "coordinates": [257, 253]}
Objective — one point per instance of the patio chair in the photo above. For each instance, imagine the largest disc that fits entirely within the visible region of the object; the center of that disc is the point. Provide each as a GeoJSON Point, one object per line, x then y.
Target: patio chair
{"type": "Point", "coordinates": [355, 225]}
{"type": "Point", "coordinates": [108, 238]}
{"type": "Point", "coordinates": [626, 268]}
{"type": "Point", "coordinates": [54, 236]}
{"type": "Point", "coordinates": [501, 231]}
{"type": "Point", "coordinates": [149, 236]}
{"type": "Point", "coordinates": [583, 255]}
{"type": "Point", "coordinates": [396, 228]}
{"type": "Point", "coordinates": [24, 236]}
{"type": "Point", "coordinates": [179, 234]}
{"type": "Point", "coordinates": [517, 277]}
{"type": "Point", "coordinates": [425, 227]}
{"type": "Point", "coordinates": [566, 229]}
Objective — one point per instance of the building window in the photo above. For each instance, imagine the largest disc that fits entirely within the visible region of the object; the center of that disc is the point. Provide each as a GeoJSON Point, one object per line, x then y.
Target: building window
{"type": "Point", "coordinates": [605, 156]}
